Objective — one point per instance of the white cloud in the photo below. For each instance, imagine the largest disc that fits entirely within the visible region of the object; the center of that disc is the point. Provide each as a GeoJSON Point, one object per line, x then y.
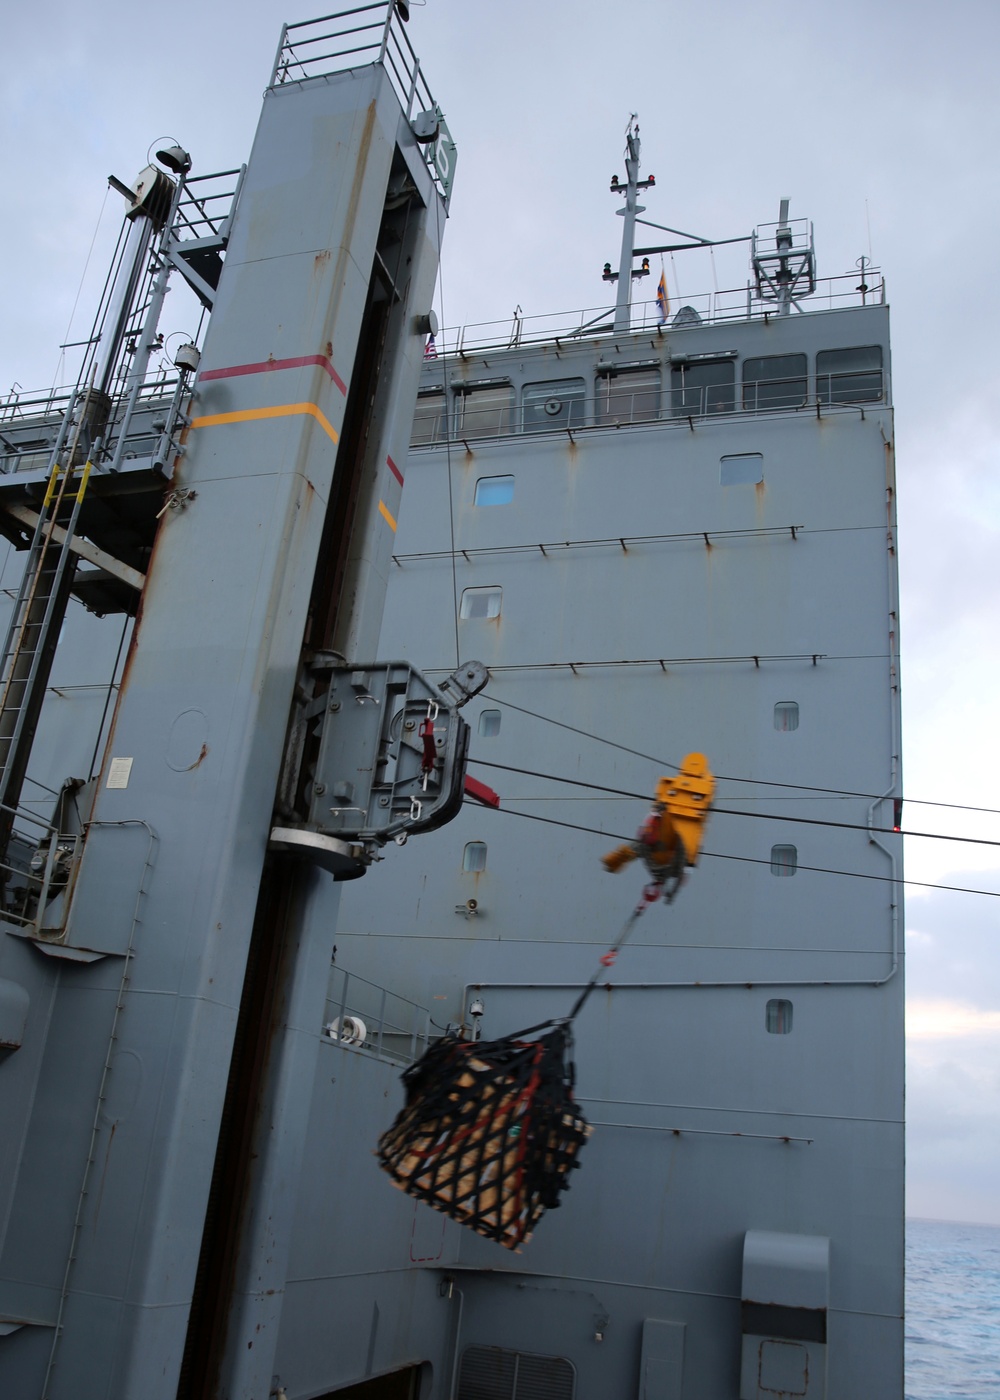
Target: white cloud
{"type": "Point", "coordinates": [953, 1111]}
{"type": "Point", "coordinates": [947, 1020]}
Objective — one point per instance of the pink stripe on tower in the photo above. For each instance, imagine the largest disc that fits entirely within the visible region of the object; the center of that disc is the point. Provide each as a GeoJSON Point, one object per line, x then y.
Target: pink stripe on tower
{"type": "Point", "coordinates": [233, 370]}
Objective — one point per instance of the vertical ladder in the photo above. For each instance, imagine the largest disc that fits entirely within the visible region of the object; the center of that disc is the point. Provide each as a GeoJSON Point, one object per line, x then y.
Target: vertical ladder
{"type": "Point", "coordinates": [35, 622]}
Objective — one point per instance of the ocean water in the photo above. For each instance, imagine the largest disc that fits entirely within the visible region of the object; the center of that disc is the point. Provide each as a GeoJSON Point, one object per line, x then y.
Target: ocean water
{"type": "Point", "coordinates": [952, 1311]}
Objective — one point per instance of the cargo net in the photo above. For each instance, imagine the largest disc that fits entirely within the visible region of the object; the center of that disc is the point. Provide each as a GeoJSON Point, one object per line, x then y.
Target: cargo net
{"type": "Point", "coordinates": [490, 1130]}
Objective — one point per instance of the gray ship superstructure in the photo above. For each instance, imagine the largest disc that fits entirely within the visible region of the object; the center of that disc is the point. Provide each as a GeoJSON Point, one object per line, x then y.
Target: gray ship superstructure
{"type": "Point", "coordinates": [667, 540]}
{"type": "Point", "coordinates": [660, 529]}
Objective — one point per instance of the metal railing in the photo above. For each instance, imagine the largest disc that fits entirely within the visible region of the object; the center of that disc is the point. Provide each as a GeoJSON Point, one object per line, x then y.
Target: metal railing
{"type": "Point", "coordinates": [355, 38]}
{"type": "Point", "coordinates": [30, 421]}
{"type": "Point", "coordinates": [373, 1020]}
{"type": "Point", "coordinates": [207, 206]}
{"type": "Point", "coordinates": [703, 309]}
{"type": "Point", "coordinates": [203, 217]}
{"type": "Point", "coordinates": [25, 888]}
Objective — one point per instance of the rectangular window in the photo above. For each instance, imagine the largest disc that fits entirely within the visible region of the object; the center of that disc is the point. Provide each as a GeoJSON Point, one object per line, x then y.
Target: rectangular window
{"type": "Point", "coordinates": [849, 376]}
{"type": "Point", "coordinates": [628, 397]}
{"type": "Point", "coordinates": [485, 412]}
{"type": "Point", "coordinates": [778, 1016]}
{"type": "Point", "coordinates": [489, 724]}
{"type": "Point", "coordinates": [494, 490]}
{"type": "Point", "coordinates": [784, 860]}
{"type": "Point", "coordinates": [775, 381]}
{"type": "Point", "coordinates": [474, 856]}
{"type": "Point", "coordinates": [554, 403]}
{"type": "Point", "coordinates": [481, 602]}
{"type": "Point", "coordinates": [741, 469]}
{"type": "Point", "coordinates": [702, 387]}
{"type": "Point", "coordinates": [786, 716]}
{"type": "Point", "coordinates": [428, 419]}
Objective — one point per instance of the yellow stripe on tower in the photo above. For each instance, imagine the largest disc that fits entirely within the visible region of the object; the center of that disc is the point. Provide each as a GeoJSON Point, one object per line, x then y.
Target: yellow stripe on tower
{"type": "Point", "coordinates": [282, 410]}
{"type": "Point", "coordinates": [386, 516]}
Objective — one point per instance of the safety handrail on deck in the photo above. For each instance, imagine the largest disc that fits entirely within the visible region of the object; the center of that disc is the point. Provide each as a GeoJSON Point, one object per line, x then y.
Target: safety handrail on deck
{"type": "Point", "coordinates": [728, 306]}
{"type": "Point", "coordinates": [354, 1002]}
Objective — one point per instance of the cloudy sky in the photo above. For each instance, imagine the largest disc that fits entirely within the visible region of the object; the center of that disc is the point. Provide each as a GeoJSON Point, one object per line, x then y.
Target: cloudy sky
{"type": "Point", "coordinates": [878, 118]}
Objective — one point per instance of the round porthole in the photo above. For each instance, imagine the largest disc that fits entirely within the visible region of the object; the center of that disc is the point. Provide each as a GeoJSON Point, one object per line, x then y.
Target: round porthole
{"type": "Point", "coordinates": [553, 407]}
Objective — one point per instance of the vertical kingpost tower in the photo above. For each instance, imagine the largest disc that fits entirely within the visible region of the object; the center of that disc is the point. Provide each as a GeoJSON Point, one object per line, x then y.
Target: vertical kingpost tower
{"type": "Point", "coordinates": [163, 958]}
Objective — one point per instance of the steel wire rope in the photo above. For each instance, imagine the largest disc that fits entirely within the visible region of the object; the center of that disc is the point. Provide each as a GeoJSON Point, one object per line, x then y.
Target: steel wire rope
{"type": "Point", "coordinates": [756, 860]}
{"type": "Point", "coordinates": [446, 418]}
{"type": "Point", "coordinates": [729, 778]}
{"type": "Point", "coordinates": [112, 685]}
{"type": "Point", "coordinates": [730, 812]}
{"type": "Point", "coordinates": [79, 290]}
{"type": "Point", "coordinates": [104, 301]}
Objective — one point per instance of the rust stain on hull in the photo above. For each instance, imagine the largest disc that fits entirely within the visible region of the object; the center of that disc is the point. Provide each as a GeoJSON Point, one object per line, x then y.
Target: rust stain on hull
{"type": "Point", "coordinates": [199, 760]}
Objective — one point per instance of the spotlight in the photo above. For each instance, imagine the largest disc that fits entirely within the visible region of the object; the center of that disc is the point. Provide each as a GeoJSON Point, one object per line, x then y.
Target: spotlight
{"type": "Point", "coordinates": [175, 158]}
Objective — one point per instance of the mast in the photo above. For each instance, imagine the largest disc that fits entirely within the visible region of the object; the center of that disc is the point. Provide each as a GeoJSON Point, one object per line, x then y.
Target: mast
{"type": "Point", "coordinates": [629, 212]}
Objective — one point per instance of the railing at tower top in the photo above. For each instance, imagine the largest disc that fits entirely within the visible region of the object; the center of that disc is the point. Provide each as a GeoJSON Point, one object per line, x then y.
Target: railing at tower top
{"type": "Point", "coordinates": [354, 38]}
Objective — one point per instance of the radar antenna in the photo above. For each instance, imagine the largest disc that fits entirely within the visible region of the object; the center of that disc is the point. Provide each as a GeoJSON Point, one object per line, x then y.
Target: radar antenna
{"type": "Point", "coordinates": [784, 260]}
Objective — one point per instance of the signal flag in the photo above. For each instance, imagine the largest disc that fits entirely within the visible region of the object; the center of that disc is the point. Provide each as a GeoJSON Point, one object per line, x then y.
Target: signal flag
{"type": "Point", "coordinates": [662, 300]}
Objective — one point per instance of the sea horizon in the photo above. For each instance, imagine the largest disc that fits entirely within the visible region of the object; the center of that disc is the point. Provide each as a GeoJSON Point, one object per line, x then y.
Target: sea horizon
{"type": "Point", "coordinates": [952, 1319]}
{"type": "Point", "coordinates": [948, 1220]}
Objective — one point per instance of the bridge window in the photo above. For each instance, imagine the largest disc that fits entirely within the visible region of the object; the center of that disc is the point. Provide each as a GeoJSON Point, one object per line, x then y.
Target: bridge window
{"type": "Point", "coordinates": [849, 376]}
{"type": "Point", "coordinates": [553, 403]}
{"type": "Point", "coordinates": [700, 387]}
{"type": "Point", "coordinates": [428, 419]}
{"type": "Point", "coordinates": [628, 396]}
{"type": "Point", "coordinates": [486, 411]}
{"type": "Point", "coordinates": [775, 381]}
